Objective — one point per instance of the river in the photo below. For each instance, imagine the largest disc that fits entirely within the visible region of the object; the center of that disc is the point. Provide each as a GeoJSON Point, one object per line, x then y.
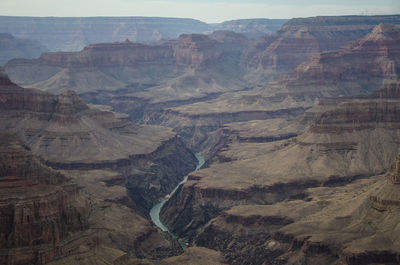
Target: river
{"type": "Point", "coordinates": [155, 211]}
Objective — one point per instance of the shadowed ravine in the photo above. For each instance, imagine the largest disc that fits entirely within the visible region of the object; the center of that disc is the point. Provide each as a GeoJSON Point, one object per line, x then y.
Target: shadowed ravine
{"type": "Point", "coordinates": [155, 210]}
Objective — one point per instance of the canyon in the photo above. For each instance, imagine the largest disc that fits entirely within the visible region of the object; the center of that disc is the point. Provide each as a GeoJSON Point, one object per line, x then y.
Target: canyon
{"type": "Point", "coordinates": [299, 128]}
{"type": "Point", "coordinates": [117, 183]}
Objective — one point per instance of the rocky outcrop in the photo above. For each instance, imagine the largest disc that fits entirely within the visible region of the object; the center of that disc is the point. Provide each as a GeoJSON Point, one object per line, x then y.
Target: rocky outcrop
{"type": "Point", "coordinates": [41, 219]}
{"type": "Point", "coordinates": [195, 49]}
{"type": "Point", "coordinates": [394, 174]}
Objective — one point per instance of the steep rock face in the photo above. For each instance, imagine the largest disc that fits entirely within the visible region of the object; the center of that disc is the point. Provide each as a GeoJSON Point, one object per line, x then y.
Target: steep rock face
{"type": "Point", "coordinates": [394, 173]}
{"type": "Point", "coordinates": [41, 217]}
{"type": "Point", "coordinates": [18, 161]}
{"type": "Point", "coordinates": [195, 49]}
{"type": "Point", "coordinates": [16, 98]}
{"type": "Point", "coordinates": [300, 39]}
{"type": "Point", "coordinates": [155, 179]}
{"type": "Point", "coordinates": [12, 47]}
{"type": "Point", "coordinates": [69, 103]}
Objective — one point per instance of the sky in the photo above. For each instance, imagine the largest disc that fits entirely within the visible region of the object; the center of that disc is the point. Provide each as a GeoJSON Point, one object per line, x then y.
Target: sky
{"type": "Point", "coordinates": [205, 10]}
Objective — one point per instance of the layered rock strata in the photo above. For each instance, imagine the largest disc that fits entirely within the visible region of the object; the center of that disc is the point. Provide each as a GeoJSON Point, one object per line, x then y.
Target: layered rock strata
{"type": "Point", "coordinates": [122, 168]}
{"type": "Point", "coordinates": [333, 225]}
{"type": "Point", "coordinates": [358, 68]}
{"type": "Point", "coordinates": [350, 224]}
{"type": "Point", "coordinates": [42, 216]}
{"type": "Point", "coordinates": [193, 60]}
{"type": "Point", "coordinates": [350, 139]}
{"type": "Point", "coordinates": [300, 39]}
{"type": "Point", "coordinates": [69, 135]}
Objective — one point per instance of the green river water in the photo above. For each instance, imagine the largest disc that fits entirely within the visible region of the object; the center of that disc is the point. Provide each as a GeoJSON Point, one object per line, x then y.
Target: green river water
{"type": "Point", "coordinates": [155, 210]}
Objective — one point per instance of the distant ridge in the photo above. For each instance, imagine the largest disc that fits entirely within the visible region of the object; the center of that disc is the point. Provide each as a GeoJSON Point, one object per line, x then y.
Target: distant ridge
{"type": "Point", "coordinates": [11, 47]}
{"type": "Point", "coordinates": [74, 33]}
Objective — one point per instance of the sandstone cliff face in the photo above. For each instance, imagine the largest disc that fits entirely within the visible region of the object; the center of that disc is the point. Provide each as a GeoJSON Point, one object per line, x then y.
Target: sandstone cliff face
{"type": "Point", "coordinates": [16, 98]}
{"type": "Point", "coordinates": [300, 39]}
{"type": "Point", "coordinates": [195, 49]}
{"type": "Point", "coordinates": [40, 213]}
{"type": "Point", "coordinates": [358, 68]}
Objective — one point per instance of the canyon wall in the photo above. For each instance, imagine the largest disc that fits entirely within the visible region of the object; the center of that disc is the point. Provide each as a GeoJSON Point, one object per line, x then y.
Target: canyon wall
{"type": "Point", "coordinates": [300, 39]}
{"type": "Point", "coordinates": [122, 169]}
{"type": "Point", "coordinates": [273, 186]}
{"type": "Point", "coordinates": [42, 216]}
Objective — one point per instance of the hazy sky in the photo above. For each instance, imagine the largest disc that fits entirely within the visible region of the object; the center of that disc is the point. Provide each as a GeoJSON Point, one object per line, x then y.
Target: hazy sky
{"type": "Point", "coordinates": [205, 10]}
